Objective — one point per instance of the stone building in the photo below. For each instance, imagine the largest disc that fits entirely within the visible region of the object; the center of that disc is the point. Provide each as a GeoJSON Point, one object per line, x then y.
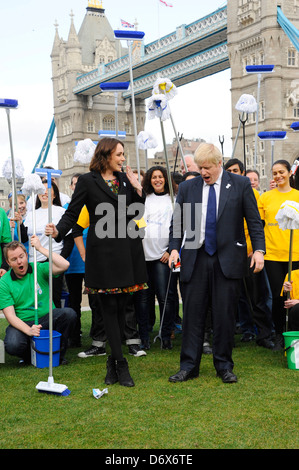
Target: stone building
{"type": "Point", "coordinates": [79, 117]}
{"type": "Point", "coordinates": [255, 38]}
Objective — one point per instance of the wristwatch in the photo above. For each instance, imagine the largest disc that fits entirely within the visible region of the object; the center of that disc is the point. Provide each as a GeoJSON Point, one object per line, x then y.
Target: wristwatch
{"type": "Point", "coordinates": [261, 251]}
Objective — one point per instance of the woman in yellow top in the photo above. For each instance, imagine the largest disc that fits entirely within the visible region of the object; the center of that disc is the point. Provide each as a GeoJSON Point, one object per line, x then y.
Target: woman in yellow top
{"type": "Point", "coordinates": [293, 302]}
{"type": "Point", "coordinates": [278, 242]}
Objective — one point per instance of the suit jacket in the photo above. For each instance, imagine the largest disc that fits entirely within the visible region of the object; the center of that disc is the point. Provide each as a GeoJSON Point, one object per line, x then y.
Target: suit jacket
{"type": "Point", "coordinates": [114, 258]}
{"type": "Point", "coordinates": [236, 201]}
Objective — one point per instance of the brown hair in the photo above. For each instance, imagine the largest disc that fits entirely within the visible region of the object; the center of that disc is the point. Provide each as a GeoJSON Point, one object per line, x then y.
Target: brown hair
{"type": "Point", "coordinates": [12, 246]}
{"type": "Point", "coordinates": [105, 147]}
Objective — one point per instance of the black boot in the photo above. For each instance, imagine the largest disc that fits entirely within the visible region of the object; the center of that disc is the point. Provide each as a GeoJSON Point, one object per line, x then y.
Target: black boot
{"type": "Point", "coordinates": [111, 376]}
{"type": "Point", "coordinates": [123, 374]}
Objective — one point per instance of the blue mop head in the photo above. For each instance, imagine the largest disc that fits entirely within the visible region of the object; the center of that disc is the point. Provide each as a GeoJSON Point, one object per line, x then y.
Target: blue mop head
{"type": "Point", "coordinates": [275, 135]}
{"type": "Point", "coordinates": [295, 126]}
{"type": "Point", "coordinates": [129, 35]}
{"type": "Point", "coordinates": [114, 86]}
{"type": "Point", "coordinates": [7, 103]}
{"type": "Point", "coordinates": [259, 68]}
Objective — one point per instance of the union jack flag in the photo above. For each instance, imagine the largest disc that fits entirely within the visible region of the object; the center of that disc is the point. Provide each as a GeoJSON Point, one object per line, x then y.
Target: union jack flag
{"type": "Point", "coordinates": [125, 24]}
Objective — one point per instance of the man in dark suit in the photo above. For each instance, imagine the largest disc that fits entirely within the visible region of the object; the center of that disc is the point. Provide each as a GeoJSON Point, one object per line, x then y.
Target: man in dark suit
{"type": "Point", "coordinates": [209, 222]}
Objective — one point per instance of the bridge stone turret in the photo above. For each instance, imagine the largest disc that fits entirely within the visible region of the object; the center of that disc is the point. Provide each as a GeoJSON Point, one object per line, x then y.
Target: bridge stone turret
{"type": "Point", "coordinates": [254, 37]}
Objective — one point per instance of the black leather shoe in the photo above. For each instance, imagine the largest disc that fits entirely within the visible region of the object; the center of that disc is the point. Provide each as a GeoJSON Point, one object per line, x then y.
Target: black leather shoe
{"type": "Point", "coordinates": [227, 376]}
{"type": "Point", "coordinates": [182, 376]}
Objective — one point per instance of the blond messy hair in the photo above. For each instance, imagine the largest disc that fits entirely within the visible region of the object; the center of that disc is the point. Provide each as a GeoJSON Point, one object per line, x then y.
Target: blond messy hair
{"type": "Point", "coordinates": [207, 153]}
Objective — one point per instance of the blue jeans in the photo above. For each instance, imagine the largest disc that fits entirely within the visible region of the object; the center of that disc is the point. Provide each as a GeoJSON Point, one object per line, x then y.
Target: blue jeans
{"type": "Point", "coordinates": [17, 343]}
{"type": "Point", "coordinates": [158, 277]}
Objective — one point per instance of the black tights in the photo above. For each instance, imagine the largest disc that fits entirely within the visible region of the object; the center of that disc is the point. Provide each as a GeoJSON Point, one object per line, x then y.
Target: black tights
{"type": "Point", "coordinates": [113, 308]}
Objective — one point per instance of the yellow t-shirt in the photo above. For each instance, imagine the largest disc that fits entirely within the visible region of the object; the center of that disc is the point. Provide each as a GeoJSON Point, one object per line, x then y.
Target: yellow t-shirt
{"type": "Point", "coordinates": [83, 219]}
{"type": "Point", "coordinates": [277, 240]}
{"type": "Point", "coordinates": [247, 237]}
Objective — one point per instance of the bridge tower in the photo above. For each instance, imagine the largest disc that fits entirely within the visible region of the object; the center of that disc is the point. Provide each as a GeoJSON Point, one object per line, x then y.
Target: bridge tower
{"type": "Point", "coordinates": [255, 38]}
{"type": "Point", "coordinates": [78, 117]}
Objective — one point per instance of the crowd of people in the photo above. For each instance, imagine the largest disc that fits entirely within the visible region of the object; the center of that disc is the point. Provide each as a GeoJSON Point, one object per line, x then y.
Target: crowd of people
{"type": "Point", "coordinates": [120, 241]}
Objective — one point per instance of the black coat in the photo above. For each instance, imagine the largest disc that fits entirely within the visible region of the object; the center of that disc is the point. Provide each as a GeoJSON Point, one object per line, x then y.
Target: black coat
{"type": "Point", "coordinates": [114, 258]}
{"type": "Point", "coordinates": [236, 202]}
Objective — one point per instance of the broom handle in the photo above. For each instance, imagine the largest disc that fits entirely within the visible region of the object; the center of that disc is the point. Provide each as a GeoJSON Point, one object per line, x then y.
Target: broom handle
{"type": "Point", "coordinates": [14, 186]}
{"type": "Point", "coordinates": [289, 273]}
{"type": "Point", "coordinates": [167, 164]}
{"type": "Point", "coordinates": [50, 283]}
{"type": "Point", "coordinates": [34, 260]}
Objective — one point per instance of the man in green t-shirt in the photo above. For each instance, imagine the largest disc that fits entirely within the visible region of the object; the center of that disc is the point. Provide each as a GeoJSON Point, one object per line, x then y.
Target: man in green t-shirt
{"type": "Point", "coordinates": [17, 300]}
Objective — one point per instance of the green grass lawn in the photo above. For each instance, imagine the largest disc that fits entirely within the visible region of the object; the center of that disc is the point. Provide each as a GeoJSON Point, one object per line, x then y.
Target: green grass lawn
{"type": "Point", "coordinates": [259, 412]}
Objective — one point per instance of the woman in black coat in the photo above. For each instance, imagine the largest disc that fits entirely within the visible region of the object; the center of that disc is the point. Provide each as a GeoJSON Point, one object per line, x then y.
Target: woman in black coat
{"type": "Point", "coordinates": [114, 265]}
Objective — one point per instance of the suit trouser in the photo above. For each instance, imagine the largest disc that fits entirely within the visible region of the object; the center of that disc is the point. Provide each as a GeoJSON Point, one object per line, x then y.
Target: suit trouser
{"type": "Point", "coordinates": [74, 283]}
{"type": "Point", "coordinates": [208, 286]}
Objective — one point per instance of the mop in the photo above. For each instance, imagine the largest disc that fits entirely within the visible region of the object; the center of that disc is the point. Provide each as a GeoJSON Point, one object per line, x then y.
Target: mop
{"type": "Point", "coordinates": [84, 151]}
{"type": "Point", "coordinates": [168, 89]}
{"type": "Point", "coordinates": [259, 70]}
{"type": "Point", "coordinates": [146, 141]}
{"type": "Point", "coordinates": [159, 335]}
{"type": "Point", "coordinates": [288, 219]}
{"type": "Point", "coordinates": [115, 87]}
{"type": "Point", "coordinates": [272, 136]}
{"type": "Point", "coordinates": [51, 387]}
{"type": "Point", "coordinates": [31, 187]}
{"type": "Point", "coordinates": [158, 107]}
{"type": "Point", "coordinates": [7, 172]}
{"type": "Point", "coordinates": [9, 104]}
{"type": "Point", "coordinates": [246, 104]}
{"type": "Point", "coordinates": [130, 37]}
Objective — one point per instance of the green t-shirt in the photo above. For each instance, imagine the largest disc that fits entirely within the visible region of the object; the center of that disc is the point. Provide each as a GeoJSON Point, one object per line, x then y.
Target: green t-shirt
{"type": "Point", "coordinates": [20, 292]}
{"type": "Point", "coordinates": [5, 233]}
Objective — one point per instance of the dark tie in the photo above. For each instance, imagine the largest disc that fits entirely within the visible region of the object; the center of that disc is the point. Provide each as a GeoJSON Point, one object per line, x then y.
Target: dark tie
{"type": "Point", "coordinates": [210, 234]}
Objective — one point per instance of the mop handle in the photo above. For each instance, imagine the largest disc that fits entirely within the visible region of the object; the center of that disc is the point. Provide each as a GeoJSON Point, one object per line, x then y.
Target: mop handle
{"type": "Point", "coordinates": [14, 187]}
{"type": "Point", "coordinates": [49, 173]}
{"type": "Point", "coordinates": [290, 261]}
{"type": "Point", "coordinates": [50, 283]}
{"type": "Point", "coordinates": [176, 136]}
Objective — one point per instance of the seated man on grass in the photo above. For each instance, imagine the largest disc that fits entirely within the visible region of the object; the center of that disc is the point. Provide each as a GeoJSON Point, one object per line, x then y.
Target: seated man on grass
{"type": "Point", "coordinates": [17, 300]}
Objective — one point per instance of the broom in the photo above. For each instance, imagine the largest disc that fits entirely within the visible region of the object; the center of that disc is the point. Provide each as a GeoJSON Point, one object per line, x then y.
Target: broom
{"type": "Point", "coordinates": [50, 387]}
{"type": "Point", "coordinates": [32, 185]}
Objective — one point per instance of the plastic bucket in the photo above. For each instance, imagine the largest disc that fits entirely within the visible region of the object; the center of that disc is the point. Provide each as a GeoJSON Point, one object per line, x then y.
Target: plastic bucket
{"type": "Point", "coordinates": [64, 299]}
{"type": "Point", "coordinates": [40, 348]}
{"type": "Point", "coordinates": [291, 341]}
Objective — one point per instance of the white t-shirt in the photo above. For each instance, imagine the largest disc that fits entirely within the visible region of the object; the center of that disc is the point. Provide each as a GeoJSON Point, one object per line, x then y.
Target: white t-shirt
{"type": "Point", "coordinates": [41, 216]}
{"type": "Point", "coordinates": [157, 215]}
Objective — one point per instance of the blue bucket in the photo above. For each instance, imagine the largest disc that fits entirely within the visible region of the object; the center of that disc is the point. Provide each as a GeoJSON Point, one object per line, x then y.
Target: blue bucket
{"type": "Point", "coordinates": [40, 348]}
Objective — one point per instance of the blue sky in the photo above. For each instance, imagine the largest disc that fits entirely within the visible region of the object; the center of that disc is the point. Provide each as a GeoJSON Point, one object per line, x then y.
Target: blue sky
{"type": "Point", "coordinates": [200, 110]}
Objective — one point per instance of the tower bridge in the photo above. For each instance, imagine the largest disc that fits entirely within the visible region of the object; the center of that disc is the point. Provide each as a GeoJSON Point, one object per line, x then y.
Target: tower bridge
{"type": "Point", "coordinates": [245, 32]}
{"type": "Point", "coordinates": [191, 52]}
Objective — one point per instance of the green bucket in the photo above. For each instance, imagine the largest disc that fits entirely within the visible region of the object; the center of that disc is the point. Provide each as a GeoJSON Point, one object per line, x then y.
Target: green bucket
{"type": "Point", "coordinates": [291, 341]}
